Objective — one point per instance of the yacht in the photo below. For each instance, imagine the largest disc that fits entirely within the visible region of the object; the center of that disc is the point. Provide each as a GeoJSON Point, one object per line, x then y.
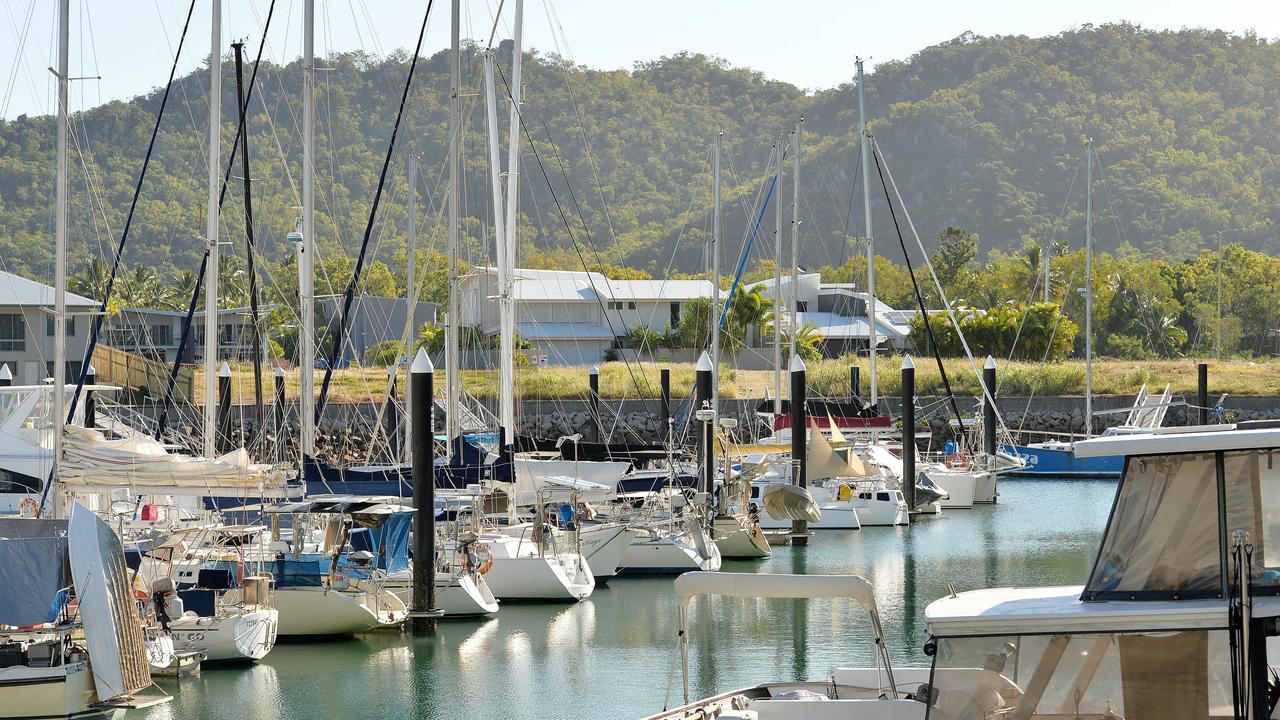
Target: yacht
{"type": "Point", "coordinates": [669, 536]}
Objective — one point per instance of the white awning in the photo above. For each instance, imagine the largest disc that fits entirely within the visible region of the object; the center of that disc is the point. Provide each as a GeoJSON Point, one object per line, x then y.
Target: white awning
{"type": "Point", "coordinates": [753, 585]}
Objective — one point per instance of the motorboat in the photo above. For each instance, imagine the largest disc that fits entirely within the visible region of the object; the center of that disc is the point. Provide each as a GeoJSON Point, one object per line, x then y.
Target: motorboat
{"type": "Point", "coordinates": [1177, 616]}
{"type": "Point", "coordinates": [882, 691]}
{"type": "Point", "coordinates": [830, 515]}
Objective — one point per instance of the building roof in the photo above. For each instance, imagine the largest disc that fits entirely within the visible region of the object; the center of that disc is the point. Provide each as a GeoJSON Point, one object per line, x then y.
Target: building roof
{"type": "Point", "coordinates": [660, 289]}
{"type": "Point", "coordinates": [1168, 441]}
{"type": "Point", "coordinates": [558, 285]}
{"type": "Point", "coordinates": [16, 291]}
{"type": "Point", "coordinates": [222, 312]}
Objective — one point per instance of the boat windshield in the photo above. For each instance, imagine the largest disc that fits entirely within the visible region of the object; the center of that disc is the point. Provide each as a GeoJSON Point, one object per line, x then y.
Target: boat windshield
{"type": "Point", "coordinates": [1175, 522]}
{"type": "Point", "coordinates": [1168, 675]}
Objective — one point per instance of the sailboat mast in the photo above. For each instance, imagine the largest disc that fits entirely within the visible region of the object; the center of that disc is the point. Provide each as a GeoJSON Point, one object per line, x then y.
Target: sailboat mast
{"type": "Point", "coordinates": [211, 232]}
{"type": "Point", "coordinates": [795, 242]}
{"type": "Point", "coordinates": [715, 283]}
{"type": "Point", "coordinates": [411, 283]}
{"type": "Point", "coordinates": [872, 305]}
{"type": "Point", "coordinates": [506, 297]}
{"type": "Point", "coordinates": [506, 366]}
{"type": "Point", "coordinates": [1088, 290]}
{"type": "Point", "coordinates": [777, 284]}
{"type": "Point", "coordinates": [455, 127]}
{"type": "Point", "coordinates": [60, 243]}
{"type": "Point", "coordinates": [306, 248]}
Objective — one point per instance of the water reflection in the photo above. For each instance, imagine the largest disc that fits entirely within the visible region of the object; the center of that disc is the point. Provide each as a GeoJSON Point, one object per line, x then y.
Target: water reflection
{"type": "Point", "coordinates": [615, 654]}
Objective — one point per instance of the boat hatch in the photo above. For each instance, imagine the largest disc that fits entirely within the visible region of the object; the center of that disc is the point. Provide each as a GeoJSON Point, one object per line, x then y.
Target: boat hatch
{"type": "Point", "coordinates": [1175, 521]}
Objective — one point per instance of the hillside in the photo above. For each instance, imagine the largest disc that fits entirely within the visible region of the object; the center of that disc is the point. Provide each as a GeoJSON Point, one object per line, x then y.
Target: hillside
{"type": "Point", "coordinates": [981, 132]}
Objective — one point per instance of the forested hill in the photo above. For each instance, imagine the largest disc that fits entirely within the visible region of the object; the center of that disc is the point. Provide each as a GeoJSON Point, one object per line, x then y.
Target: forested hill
{"type": "Point", "coordinates": [985, 133]}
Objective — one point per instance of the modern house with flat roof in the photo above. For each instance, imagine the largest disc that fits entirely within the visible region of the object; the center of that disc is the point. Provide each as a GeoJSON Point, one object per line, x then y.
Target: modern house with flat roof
{"type": "Point", "coordinates": [839, 314]}
{"type": "Point", "coordinates": [26, 329]}
{"type": "Point", "coordinates": [572, 317]}
{"type": "Point", "coordinates": [373, 320]}
{"type": "Point", "coordinates": [155, 334]}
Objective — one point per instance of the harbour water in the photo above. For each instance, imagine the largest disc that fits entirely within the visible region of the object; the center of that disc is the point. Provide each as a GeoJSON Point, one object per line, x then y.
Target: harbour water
{"type": "Point", "coordinates": [614, 654]}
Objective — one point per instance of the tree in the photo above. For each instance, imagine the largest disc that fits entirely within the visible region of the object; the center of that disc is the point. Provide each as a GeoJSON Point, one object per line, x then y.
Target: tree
{"type": "Point", "coordinates": [956, 249]}
{"type": "Point", "coordinates": [747, 309]}
{"type": "Point", "coordinates": [694, 330]}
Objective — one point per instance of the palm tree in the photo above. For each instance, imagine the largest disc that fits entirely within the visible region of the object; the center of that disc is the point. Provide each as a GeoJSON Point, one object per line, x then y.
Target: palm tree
{"type": "Point", "coordinates": [747, 310]}
{"type": "Point", "coordinates": [808, 340]}
{"type": "Point", "coordinates": [92, 280]}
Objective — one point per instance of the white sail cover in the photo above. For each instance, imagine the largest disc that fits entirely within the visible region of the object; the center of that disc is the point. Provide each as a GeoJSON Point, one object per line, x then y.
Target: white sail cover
{"type": "Point", "coordinates": [89, 458]}
{"type": "Point", "coordinates": [784, 501]}
{"type": "Point", "coordinates": [112, 628]}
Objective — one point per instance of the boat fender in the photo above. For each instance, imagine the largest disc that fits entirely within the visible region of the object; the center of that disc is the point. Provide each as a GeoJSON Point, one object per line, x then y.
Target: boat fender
{"type": "Point", "coordinates": [339, 582]}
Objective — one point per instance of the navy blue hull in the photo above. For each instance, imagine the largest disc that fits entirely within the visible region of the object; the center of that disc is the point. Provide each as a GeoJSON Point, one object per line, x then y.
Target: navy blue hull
{"type": "Point", "coordinates": [1055, 462]}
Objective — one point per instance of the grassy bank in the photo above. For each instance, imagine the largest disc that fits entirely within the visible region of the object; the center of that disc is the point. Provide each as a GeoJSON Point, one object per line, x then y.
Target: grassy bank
{"type": "Point", "coordinates": [826, 377]}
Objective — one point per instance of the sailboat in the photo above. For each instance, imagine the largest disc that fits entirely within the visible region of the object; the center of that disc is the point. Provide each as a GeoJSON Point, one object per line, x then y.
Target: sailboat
{"type": "Point", "coordinates": [1057, 458]}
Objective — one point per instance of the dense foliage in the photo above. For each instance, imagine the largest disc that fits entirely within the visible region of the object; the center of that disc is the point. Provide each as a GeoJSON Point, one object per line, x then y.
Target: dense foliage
{"type": "Point", "coordinates": [981, 133]}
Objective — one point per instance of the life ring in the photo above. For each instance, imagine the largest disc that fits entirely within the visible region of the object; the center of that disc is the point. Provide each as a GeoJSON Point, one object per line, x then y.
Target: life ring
{"type": "Point", "coordinates": [28, 508]}
{"type": "Point", "coordinates": [959, 459]}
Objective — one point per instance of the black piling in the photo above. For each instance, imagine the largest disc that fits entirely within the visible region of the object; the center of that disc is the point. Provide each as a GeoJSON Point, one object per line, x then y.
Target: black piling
{"type": "Point", "coordinates": [279, 415]}
{"type": "Point", "coordinates": [90, 404]}
{"type": "Point", "coordinates": [989, 407]}
{"type": "Point", "coordinates": [421, 410]}
{"type": "Point", "coordinates": [391, 416]}
{"type": "Point", "coordinates": [1202, 391]}
{"type": "Point", "coordinates": [705, 415]}
{"type": "Point", "coordinates": [665, 380]}
{"type": "Point", "coordinates": [909, 433]}
{"type": "Point", "coordinates": [799, 446]}
{"type": "Point", "coordinates": [224, 408]}
{"type": "Point", "coordinates": [855, 381]}
{"type": "Point", "coordinates": [593, 378]}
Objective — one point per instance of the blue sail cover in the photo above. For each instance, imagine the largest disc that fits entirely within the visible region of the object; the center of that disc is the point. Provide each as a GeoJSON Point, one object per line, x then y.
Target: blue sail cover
{"type": "Point", "coordinates": [33, 588]}
{"type": "Point", "coordinates": [388, 542]}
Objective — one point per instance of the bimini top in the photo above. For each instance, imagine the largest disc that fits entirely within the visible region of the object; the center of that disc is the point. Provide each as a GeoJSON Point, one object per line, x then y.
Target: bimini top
{"type": "Point", "coordinates": [1010, 611]}
{"type": "Point", "coordinates": [1201, 438]}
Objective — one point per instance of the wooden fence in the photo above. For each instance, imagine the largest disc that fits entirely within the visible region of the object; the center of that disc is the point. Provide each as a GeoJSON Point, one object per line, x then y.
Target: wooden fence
{"type": "Point", "coordinates": [134, 372]}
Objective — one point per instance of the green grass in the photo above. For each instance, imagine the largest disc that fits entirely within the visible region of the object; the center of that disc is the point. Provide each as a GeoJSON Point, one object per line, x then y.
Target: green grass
{"type": "Point", "coordinates": [826, 378]}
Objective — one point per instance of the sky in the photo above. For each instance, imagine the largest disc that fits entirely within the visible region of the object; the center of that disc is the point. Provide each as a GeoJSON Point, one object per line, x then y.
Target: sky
{"type": "Point", "coordinates": [129, 44]}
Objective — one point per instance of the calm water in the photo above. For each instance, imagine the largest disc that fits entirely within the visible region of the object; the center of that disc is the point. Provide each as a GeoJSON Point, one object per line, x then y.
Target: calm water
{"type": "Point", "coordinates": [614, 654]}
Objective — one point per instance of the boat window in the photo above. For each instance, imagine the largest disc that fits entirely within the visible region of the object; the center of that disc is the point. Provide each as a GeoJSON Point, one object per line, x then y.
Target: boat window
{"type": "Point", "coordinates": [1168, 675]}
{"type": "Point", "coordinates": [16, 482]}
{"type": "Point", "coordinates": [1162, 540]}
{"type": "Point", "coordinates": [1252, 482]}
{"type": "Point", "coordinates": [882, 496]}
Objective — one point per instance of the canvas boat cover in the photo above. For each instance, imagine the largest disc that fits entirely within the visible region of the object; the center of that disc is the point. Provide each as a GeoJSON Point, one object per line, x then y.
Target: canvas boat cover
{"type": "Point", "coordinates": [783, 501]}
{"type": "Point", "coordinates": [33, 554]}
{"type": "Point", "coordinates": [112, 627]}
{"type": "Point", "coordinates": [89, 458]}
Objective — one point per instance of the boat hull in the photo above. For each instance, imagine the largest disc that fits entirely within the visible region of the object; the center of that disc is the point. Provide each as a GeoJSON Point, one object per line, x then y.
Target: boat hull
{"type": "Point", "coordinates": [739, 537]}
{"type": "Point", "coordinates": [604, 546]}
{"type": "Point", "coordinates": [464, 595]}
{"type": "Point", "coordinates": [320, 612]}
{"type": "Point", "coordinates": [1061, 461]}
{"type": "Point", "coordinates": [960, 486]}
{"type": "Point", "coordinates": [246, 636]}
{"type": "Point", "coordinates": [64, 691]}
{"type": "Point", "coordinates": [538, 578]}
{"type": "Point", "coordinates": [659, 554]}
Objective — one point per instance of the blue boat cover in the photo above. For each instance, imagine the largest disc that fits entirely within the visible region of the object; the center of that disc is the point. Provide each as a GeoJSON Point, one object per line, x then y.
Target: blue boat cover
{"type": "Point", "coordinates": [35, 580]}
{"type": "Point", "coordinates": [389, 542]}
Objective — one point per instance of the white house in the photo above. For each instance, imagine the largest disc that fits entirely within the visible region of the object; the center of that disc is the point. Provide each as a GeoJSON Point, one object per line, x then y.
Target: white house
{"type": "Point", "coordinates": [575, 318]}
{"type": "Point", "coordinates": [839, 313]}
{"type": "Point", "coordinates": [26, 329]}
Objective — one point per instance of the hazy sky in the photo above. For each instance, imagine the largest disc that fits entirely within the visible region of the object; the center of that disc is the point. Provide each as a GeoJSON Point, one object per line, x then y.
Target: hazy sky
{"type": "Point", "coordinates": [811, 43]}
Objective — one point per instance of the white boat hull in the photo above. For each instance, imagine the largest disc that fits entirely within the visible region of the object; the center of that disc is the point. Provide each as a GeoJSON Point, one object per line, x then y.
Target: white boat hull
{"type": "Point", "coordinates": [656, 553]}
{"type": "Point", "coordinates": [64, 691]}
{"type": "Point", "coordinates": [984, 491]}
{"type": "Point", "coordinates": [959, 485]}
{"type": "Point", "coordinates": [880, 513]}
{"type": "Point", "coordinates": [246, 636]}
{"type": "Point", "coordinates": [604, 547]}
{"type": "Point", "coordinates": [465, 595]}
{"type": "Point", "coordinates": [740, 537]}
{"type": "Point", "coordinates": [318, 611]}
{"type": "Point", "coordinates": [835, 516]}
{"type": "Point", "coordinates": [539, 578]}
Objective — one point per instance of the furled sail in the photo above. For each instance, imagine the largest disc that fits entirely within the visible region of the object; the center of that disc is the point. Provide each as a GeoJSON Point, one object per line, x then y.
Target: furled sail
{"type": "Point", "coordinates": [90, 458]}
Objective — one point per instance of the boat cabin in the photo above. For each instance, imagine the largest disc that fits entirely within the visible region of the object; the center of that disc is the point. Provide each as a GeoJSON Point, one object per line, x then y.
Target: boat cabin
{"type": "Point", "coordinates": [1177, 617]}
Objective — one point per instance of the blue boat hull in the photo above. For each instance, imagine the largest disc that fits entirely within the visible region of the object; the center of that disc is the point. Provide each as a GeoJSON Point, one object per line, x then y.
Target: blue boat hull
{"type": "Point", "coordinates": [1055, 462]}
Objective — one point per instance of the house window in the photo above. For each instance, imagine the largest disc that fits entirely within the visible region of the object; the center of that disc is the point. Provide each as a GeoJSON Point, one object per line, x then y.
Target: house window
{"type": "Point", "coordinates": [13, 333]}
{"type": "Point", "coordinates": [675, 314]}
{"type": "Point", "coordinates": [48, 326]}
{"type": "Point", "coordinates": [615, 305]}
{"type": "Point", "coordinates": [162, 334]}
{"type": "Point", "coordinates": [73, 370]}
{"type": "Point", "coordinates": [631, 306]}
{"type": "Point", "coordinates": [802, 306]}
